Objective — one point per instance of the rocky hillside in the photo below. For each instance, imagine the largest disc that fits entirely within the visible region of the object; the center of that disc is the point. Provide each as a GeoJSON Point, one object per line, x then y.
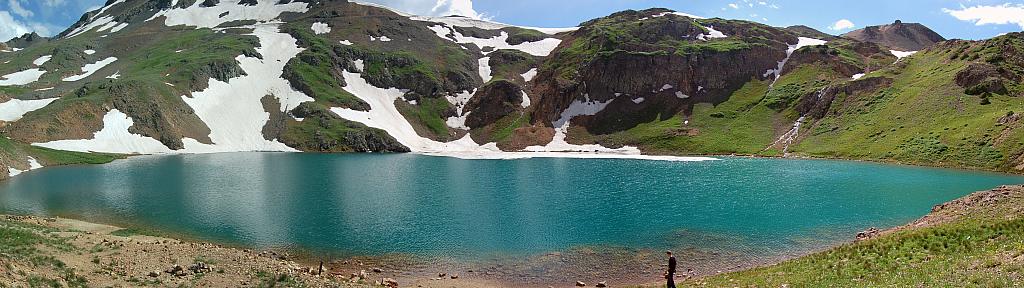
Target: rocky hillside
{"type": "Point", "coordinates": [898, 36]}
{"type": "Point", "coordinates": [189, 76]}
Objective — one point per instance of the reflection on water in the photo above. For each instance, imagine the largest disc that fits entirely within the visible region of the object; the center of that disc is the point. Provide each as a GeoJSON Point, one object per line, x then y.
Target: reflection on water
{"type": "Point", "coordinates": [480, 210]}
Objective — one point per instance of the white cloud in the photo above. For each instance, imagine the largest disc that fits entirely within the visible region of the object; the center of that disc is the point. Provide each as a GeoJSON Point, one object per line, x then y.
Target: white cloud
{"type": "Point", "coordinates": [983, 15]}
{"type": "Point", "coordinates": [10, 28]}
{"type": "Point", "coordinates": [432, 8]}
{"type": "Point", "coordinates": [842, 24]}
{"type": "Point", "coordinates": [15, 6]}
{"type": "Point", "coordinates": [53, 3]}
{"type": "Point", "coordinates": [734, 6]}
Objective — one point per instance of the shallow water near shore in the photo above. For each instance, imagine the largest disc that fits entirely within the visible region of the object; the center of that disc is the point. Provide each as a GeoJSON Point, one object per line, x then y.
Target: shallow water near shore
{"type": "Point", "coordinates": [524, 218]}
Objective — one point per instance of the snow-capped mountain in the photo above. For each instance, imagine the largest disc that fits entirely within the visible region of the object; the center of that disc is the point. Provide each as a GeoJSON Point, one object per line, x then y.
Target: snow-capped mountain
{"type": "Point", "coordinates": [200, 76]}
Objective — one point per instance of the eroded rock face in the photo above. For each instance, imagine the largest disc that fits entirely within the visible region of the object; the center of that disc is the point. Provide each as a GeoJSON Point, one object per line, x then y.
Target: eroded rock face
{"type": "Point", "coordinates": [666, 65]}
{"type": "Point", "coordinates": [817, 104]}
{"type": "Point", "coordinates": [980, 78]}
{"type": "Point", "coordinates": [495, 100]}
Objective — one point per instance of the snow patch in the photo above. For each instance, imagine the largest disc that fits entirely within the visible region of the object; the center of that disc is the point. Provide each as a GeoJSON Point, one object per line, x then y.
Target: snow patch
{"type": "Point", "coordinates": [14, 109]}
{"type": "Point", "coordinates": [381, 39]}
{"type": "Point", "coordinates": [638, 100]}
{"type": "Point", "coordinates": [901, 54]}
{"type": "Point", "coordinates": [858, 76]}
{"type": "Point", "coordinates": [580, 108]}
{"type": "Point", "coordinates": [680, 95]}
{"type": "Point", "coordinates": [530, 74]}
{"type": "Point", "coordinates": [345, 42]}
{"type": "Point", "coordinates": [801, 42]}
{"type": "Point", "coordinates": [538, 48]}
{"type": "Point", "coordinates": [42, 60]}
{"type": "Point", "coordinates": [459, 101]}
{"type": "Point", "coordinates": [485, 68]}
{"type": "Point", "coordinates": [115, 75]}
{"type": "Point", "coordinates": [89, 52]}
{"type": "Point", "coordinates": [22, 77]}
{"type": "Point", "coordinates": [118, 27]}
{"type": "Point", "coordinates": [103, 23]}
{"type": "Point", "coordinates": [458, 21]}
{"type": "Point", "coordinates": [359, 64]}
{"type": "Point", "coordinates": [526, 100]}
{"type": "Point", "coordinates": [321, 28]}
{"type": "Point", "coordinates": [32, 165]}
{"type": "Point", "coordinates": [113, 138]}
{"type": "Point", "coordinates": [88, 69]}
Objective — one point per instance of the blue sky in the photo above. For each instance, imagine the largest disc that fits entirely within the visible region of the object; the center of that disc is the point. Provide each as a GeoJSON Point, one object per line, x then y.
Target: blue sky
{"type": "Point", "coordinates": [952, 19]}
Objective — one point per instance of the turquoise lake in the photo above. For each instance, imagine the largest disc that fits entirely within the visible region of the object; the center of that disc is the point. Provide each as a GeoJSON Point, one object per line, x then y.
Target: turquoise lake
{"type": "Point", "coordinates": [376, 204]}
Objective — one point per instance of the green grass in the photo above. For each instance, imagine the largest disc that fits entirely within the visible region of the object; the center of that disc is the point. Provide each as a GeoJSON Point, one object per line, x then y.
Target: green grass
{"type": "Point", "coordinates": [923, 119]}
{"type": "Point", "coordinates": [29, 242]}
{"type": "Point", "coordinates": [428, 113]}
{"type": "Point", "coordinates": [204, 50]}
{"type": "Point", "coordinates": [740, 125]}
{"type": "Point", "coordinates": [508, 124]}
{"type": "Point", "coordinates": [270, 280]}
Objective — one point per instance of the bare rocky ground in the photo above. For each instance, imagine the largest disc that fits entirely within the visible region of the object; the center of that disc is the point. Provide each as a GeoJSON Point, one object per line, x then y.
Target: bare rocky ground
{"type": "Point", "coordinates": [94, 255]}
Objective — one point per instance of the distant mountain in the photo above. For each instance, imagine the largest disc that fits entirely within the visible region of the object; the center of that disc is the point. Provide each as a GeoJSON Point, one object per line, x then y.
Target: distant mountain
{"type": "Point", "coordinates": [898, 36]}
{"type": "Point", "coordinates": [24, 41]}
{"type": "Point", "coordinates": [192, 76]}
{"type": "Point", "coordinates": [805, 31]}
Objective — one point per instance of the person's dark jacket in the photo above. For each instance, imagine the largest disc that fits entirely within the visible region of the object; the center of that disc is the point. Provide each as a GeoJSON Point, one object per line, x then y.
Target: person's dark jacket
{"type": "Point", "coordinates": [672, 265]}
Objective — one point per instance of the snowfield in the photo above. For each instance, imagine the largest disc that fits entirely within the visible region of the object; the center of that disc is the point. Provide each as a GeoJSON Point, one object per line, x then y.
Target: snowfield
{"type": "Point", "coordinates": [233, 110]}
{"type": "Point", "coordinates": [385, 116]}
{"type": "Point", "coordinates": [459, 21]}
{"type": "Point", "coordinates": [538, 48]}
{"type": "Point", "coordinates": [14, 109]}
{"type": "Point", "coordinates": [22, 77]}
{"type": "Point", "coordinates": [210, 17]}
{"type": "Point", "coordinates": [89, 69]}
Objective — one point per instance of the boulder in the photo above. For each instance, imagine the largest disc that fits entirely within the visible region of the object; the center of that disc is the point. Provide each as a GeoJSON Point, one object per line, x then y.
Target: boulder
{"type": "Point", "coordinates": [580, 284]}
{"type": "Point", "coordinates": [868, 234]}
{"type": "Point", "coordinates": [602, 284]}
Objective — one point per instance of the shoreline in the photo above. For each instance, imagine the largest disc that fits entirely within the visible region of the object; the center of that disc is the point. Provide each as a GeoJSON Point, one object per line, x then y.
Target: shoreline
{"type": "Point", "coordinates": [589, 264]}
{"type": "Point", "coordinates": [621, 266]}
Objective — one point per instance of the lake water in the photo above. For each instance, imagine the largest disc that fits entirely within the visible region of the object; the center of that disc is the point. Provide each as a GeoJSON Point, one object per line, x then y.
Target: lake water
{"type": "Point", "coordinates": [374, 204]}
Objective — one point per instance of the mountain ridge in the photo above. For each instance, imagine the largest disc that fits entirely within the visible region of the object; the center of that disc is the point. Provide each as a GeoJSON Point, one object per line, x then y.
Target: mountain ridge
{"type": "Point", "coordinates": [339, 76]}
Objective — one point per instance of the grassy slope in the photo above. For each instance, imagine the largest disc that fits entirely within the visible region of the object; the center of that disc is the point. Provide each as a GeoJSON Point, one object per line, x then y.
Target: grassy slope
{"type": "Point", "coordinates": [980, 245]}
{"type": "Point", "coordinates": [923, 119]}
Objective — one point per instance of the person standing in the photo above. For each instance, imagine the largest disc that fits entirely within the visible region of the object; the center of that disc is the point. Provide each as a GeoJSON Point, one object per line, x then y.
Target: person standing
{"type": "Point", "coordinates": [670, 275]}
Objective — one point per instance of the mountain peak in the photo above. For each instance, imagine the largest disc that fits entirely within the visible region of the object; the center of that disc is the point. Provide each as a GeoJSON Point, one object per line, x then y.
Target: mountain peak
{"type": "Point", "coordinates": [898, 36]}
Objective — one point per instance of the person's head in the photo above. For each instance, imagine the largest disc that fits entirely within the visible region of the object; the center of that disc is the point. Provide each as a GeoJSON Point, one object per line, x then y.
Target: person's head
{"type": "Point", "coordinates": [668, 252]}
